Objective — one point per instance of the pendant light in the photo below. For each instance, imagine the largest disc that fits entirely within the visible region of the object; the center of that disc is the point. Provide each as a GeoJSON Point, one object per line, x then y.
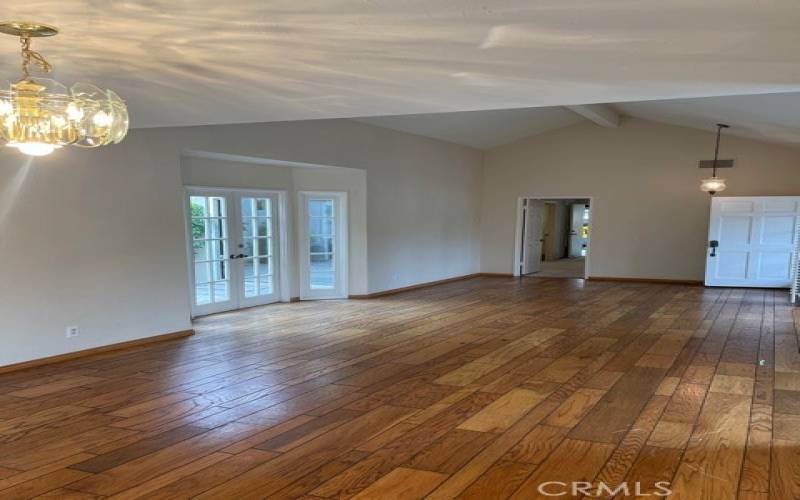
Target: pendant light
{"type": "Point", "coordinates": [713, 185]}
{"type": "Point", "coordinates": [39, 115]}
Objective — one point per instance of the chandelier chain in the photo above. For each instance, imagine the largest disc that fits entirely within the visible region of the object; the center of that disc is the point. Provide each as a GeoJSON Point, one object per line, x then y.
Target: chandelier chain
{"type": "Point", "coordinates": [30, 56]}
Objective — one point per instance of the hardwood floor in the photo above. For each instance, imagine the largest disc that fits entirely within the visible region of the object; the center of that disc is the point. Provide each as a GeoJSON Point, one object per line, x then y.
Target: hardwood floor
{"type": "Point", "coordinates": [486, 388]}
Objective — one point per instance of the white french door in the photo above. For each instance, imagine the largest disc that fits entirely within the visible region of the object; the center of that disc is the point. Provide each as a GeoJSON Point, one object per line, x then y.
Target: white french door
{"type": "Point", "coordinates": [233, 243]}
{"type": "Point", "coordinates": [751, 241]}
{"type": "Point", "coordinates": [323, 245]}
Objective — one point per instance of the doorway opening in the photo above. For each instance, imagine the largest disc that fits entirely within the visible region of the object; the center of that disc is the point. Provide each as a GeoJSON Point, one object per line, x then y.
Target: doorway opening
{"type": "Point", "coordinates": [552, 237]}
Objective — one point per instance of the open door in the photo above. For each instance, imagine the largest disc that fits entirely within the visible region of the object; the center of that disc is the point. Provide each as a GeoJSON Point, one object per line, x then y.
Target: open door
{"type": "Point", "coordinates": [751, 241]}
{"type": "Point", "coordinates": [532, 228]}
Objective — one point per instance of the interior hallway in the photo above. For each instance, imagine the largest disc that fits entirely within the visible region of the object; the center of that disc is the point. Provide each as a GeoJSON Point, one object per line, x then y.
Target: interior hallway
{"type": "Point", "coordinates": [482, 388]}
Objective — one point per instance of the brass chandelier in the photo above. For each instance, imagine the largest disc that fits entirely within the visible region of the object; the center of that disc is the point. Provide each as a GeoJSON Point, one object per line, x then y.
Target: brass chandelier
{"type": "Point", "coordinates": [39, 115]}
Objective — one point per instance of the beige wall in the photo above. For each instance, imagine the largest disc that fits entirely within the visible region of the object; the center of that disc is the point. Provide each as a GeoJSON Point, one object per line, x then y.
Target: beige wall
{"type": "Point", "coordinates": [650, 220]}
{"type": "Point", "coordinates": [95, 238]}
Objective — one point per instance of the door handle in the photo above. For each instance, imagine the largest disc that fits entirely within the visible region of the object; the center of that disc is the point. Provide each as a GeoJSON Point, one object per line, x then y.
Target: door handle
{"type": "Point", "coordinates": [240, 256]}
{"type": "Point", "coordinates": [713, 244]}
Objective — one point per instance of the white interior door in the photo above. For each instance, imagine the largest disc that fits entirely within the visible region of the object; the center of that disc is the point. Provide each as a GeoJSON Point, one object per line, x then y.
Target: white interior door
{"type": "Point", "coordinates": [751, 241]}
{"type": "Point", "coordinates": [233, 239]}
{"type": "Point", "coordinates": [323, 245]}
{"type": "Point", "coordinates": [578, 231]}
{"type": "Point", "coordinates": [532, 237]}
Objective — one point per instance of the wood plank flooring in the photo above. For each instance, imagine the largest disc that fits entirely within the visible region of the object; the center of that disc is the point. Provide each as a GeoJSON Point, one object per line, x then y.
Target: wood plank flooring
{"type": "Point", "coordinates": [485, 389]}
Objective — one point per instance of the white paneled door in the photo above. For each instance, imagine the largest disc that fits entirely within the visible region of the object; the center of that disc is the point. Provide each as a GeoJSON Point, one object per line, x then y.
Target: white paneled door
{"type": "Point", "coordinates": [532, 236]}
{"type": "Point", "coordinates": [751, 241]}
{"type": "Point", "coordinates": [233, 242]}
{"type": "Point", "coordinates": [323, 245]}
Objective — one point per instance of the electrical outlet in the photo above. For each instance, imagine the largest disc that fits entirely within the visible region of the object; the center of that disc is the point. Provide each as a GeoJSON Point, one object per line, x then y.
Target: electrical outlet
{"type": "Point", "coordinates": [71, 331]}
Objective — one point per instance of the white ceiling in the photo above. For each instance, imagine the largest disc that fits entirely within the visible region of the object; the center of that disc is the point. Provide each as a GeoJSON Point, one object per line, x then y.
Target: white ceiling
{"type": "Point", "coordinates": [181, 62]}
{"type": "Point", "coordinates": [767, 117]}
{"type": "Point", "coordinates": [480, 129]}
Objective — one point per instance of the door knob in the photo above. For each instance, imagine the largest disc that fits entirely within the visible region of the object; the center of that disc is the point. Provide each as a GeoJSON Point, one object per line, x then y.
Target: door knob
{"type": "Point", "coordinates": [713, 244]}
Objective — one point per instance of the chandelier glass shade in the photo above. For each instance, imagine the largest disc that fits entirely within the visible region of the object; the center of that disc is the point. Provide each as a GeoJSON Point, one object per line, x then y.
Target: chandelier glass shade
{"type": "Point", "coordinates": [39, 115]}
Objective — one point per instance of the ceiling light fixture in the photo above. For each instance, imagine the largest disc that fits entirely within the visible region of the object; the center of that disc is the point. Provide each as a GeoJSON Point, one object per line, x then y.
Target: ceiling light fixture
{"type": "Point", "coordinates": [713, 185]}
{"type": "Point", "coordinates": [39, 115]}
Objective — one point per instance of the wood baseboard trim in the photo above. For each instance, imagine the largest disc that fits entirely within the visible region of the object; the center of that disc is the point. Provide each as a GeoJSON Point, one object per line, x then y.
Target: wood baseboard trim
{"type": "Point", "coordinates": [427, 284]}
{"type": "Point", "coordinates": [59, 358]}
{"type": "Point", "coordinates": [646, 280]}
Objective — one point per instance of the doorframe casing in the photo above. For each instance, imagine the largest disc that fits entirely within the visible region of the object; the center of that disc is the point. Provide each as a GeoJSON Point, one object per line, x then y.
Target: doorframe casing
{"type": "Point", "coordinates": [341, 237]}
{"type": "Point", "coordinates": [518, 229]}
{"type": "Point", "coordinates": [284, 230]}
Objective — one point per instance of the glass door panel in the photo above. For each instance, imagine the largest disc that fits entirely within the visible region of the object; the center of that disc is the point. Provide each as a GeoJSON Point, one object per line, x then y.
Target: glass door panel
{"type": "Point", "coordinates": [323, 245]}
{"type": "Point", "coordinates": [209, 248]}
{"type": "Point", "coordinates": [321, 232]}
{"type": "Point", "coordinates": [258, 236]}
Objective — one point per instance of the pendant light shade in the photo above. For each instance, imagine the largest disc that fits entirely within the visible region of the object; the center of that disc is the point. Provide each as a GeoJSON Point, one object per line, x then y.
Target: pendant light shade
{"type": "Point", "coordinates": [713, 185]}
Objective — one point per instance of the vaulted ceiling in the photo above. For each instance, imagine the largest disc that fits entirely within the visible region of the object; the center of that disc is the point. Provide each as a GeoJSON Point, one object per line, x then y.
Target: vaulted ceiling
{"type": "Point", "coordinates": [765, 117]}
{"type": "Point", "coordinates": [190, 62]}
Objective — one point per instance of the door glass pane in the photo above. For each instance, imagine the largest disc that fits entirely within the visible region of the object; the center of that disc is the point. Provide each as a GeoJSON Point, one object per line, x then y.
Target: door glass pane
{"type": "Point", "coordinates": [265, 284]}
{"type": "Point", "coordinates": [209, 233]}
{"type": "Point", "coordinates": [321, 247]}
{"type": "Point", "coordinates": [263, 247]}
{"type": "Point", "coordinates": [219, 270]}
{"type": "Point", "coordinates": [320, 208]}
{"type": "Point", "coordinates": [200, 250]}
{"type": "Point", "coordinates": [199, 228]}
{"type": "Point", "coordinates": [202, 272]}
{"type": "Point", "coordinates": [199, 206]}
{"type": "Point", "coordinates": [250, 277]}
{"type": "Point", "coordinates": [217, 228]}
{"type": "Point", "coordinates": [322, 271]}
{"type": "Point", "coordinates": [221, 291]}
{"type": "Point", "coordinates": [202, 294]}
{"type": "Point", "coordinates": [321, 244]}
{"type": "Point", "coordinates": [257, 230]}
{"type": "Point", "coordinates": [263, 207]}
{"type": "Point", "coordinates": [263, 226]}
{"type": "Point", "coordinates": [321, 226]}
{"type": "Point", "coordinates": [216, 206]}
{"type": "Point", "coordinates": [218, 249]}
